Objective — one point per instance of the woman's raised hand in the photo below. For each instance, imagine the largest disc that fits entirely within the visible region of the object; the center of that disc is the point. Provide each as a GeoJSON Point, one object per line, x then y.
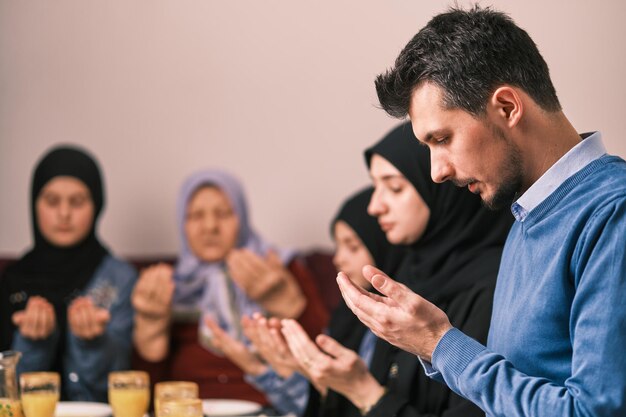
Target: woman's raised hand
{"type": "Point", "coordinates": [329, 364]}
{"type": "Point", "coordinates": [235, 350]}
{"type": "Point", "coordinates": [270, 344]}
{"type": "Point", "coordinates": [37, 320]}
{"type": "Point", "coordinates": [152, 296]}
{"type": "Point", "coordinates": [267, 281]}
{"type": "Point", "coordinates": [152, 301]}
{"type": "Point", "coordinates": [86, 320]}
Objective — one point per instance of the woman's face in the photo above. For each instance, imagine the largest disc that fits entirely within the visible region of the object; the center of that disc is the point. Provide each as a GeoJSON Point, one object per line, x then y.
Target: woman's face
{"type": "Point", "coordinates": [211, 225]}
{"type": "Point", "coordinates": [64, 211]}
{"type": "Point", "coordinates": [401, 212]}
{"type": "Point", "coordinates": [351, 255]}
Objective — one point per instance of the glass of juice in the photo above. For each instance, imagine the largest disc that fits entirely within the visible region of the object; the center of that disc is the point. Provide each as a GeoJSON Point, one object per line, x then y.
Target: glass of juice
{"type": "Point", "coordinates": [40, 393]}
{"type": "Point", "coordinates": [129, 393]}
{"type": "Point", "coordinates": [173, 390]}
{"type": "Point", "coordinates": [180, 407]}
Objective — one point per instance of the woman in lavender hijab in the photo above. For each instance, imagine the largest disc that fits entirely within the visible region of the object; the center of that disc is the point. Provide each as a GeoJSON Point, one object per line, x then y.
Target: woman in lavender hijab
{"type": "Point", "coordinates": [225, 271]}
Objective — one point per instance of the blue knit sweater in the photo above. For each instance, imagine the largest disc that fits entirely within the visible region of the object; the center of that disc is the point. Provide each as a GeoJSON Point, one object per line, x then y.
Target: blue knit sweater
{"type": "Point", "coordinates": [557, 343]}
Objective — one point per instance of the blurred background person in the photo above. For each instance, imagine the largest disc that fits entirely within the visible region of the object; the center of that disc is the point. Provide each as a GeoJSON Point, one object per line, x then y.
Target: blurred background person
{"type": "Point", "coordinates": [225, 270]}
{"type": "Point", "coordinates": [66, 303]}
{"type": "Point", "coordinates": [359, 241]}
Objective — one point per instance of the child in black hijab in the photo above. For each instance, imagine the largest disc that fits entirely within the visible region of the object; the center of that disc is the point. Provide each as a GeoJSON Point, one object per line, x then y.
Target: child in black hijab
{"type": "Point", "coordinates": [66, 303]}
{"type": "Point", "coordinates": [351, 229]}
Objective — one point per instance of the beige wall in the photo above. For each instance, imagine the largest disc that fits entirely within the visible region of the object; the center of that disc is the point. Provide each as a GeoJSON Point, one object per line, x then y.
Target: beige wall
{"type": "Point", "coordinates": [280, 92]}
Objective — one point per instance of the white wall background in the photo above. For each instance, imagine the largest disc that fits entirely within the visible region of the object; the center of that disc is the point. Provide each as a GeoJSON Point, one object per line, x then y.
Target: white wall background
{"type": "Point", "coordinates": [280, 92]}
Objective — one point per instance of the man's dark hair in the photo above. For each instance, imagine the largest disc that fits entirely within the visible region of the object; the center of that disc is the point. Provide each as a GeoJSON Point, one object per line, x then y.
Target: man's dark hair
{"type": "Point", "coordinates": [468, 54]}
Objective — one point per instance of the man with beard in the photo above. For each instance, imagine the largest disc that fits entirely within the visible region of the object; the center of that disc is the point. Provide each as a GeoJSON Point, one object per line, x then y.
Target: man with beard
{"type": "Point", "coordinates": [479, 95]}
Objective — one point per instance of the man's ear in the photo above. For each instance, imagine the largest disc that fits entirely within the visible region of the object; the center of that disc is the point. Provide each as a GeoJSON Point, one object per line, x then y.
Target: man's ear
{"type": "Point", "coordinates": [507, 104]}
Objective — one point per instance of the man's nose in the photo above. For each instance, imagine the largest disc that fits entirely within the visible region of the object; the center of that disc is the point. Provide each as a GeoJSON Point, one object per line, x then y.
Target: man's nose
{"type": "Point", "coordinates": [440, 168]}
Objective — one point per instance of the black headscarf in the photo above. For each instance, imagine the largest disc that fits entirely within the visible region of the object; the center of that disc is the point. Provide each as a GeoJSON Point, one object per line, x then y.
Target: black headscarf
{"type": "Point", "coordinates": [58, 274]}
{"type": "Point", "coordinates": [462, 241]}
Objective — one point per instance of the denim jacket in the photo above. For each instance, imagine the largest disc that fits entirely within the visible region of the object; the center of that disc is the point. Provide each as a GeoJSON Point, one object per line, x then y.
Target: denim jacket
{"type": "Point", "coordinates": [86, 363]}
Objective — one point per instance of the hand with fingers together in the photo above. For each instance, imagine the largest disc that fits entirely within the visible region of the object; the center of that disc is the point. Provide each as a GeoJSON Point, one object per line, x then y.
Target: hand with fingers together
{"type": "Point", "coordinates": [267, 281]}
{"type": "Point", "coordinates": [85, 320]}
{"type": "Point", "coordinates": [152, 296]}
{"type": "Point", "coordinates": [330, 364]}
{"type": "Point", "coordinates": [270, 345]}
{"type": "Point", "coordinates": [152, 301]}
{"type": "Point", "coordinates": [37, 321]}
{"type": "Point", "coordinates": [240, 354]}
{"type": "Point", "coordinates": [399, 316]}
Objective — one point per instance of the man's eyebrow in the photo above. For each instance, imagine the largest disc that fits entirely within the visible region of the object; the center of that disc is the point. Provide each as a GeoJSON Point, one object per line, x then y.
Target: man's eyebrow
{"type": "Point", "coordinates": [430, 135]}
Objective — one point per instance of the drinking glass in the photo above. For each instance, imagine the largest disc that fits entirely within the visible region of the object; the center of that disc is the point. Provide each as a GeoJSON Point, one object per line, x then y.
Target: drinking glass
{"type": "Point", "coordinates": [40, 393]}
{"type": "Point", "coordinates": [9, 387]}
{"type": "Point", "coordinates": [129, 393]}
{"type": "Point", "coordinates": [173, 390]}
{"type": "Point", "coordinates": [180, 407]}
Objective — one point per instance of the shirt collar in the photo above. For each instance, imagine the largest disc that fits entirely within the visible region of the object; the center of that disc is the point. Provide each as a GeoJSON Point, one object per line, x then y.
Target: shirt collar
{"type": "Point", "coordinates": [588, 150]}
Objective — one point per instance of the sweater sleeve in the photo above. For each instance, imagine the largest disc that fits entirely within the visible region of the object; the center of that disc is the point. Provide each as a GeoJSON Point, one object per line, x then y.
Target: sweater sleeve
{"type": "Point", "coordinates": [314, 317]}
{"type": "Point", "coordinates": [597, 384]}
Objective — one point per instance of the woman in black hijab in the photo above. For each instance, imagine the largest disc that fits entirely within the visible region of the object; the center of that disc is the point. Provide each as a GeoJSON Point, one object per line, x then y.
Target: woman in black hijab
{"type": "Point", "coordinates": [354, 230]}
{"type": "Point", "coordinates": [454, 247]}
{"type": "Point", "coordinates": [65, 304]}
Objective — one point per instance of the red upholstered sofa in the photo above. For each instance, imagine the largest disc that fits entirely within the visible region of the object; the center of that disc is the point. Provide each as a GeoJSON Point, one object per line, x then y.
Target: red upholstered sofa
{"type": "Point", "coordinates": [319, 262]}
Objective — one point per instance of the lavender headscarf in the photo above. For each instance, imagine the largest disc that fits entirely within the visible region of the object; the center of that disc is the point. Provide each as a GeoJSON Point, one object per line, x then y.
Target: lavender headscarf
{"type": "Point", "coordinates": [201, 284]}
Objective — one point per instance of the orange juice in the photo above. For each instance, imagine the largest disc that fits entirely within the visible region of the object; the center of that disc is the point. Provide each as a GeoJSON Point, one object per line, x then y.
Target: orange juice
{"type": "Point", "coordinates": [129, 402]}
{"type": "Point", "coordinates": [39, 404]}
{"type": "Point", "coordinates": [10, 408]}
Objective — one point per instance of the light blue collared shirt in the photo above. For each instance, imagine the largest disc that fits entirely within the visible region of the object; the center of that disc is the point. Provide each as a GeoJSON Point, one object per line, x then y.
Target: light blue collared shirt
{"type": "Point", "coordinates": [589, 149]}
